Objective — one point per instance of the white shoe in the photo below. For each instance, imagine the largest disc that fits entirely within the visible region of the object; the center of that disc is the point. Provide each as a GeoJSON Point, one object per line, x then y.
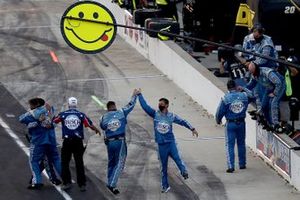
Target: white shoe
{"type": "Point", "coordinates": [165, 190]}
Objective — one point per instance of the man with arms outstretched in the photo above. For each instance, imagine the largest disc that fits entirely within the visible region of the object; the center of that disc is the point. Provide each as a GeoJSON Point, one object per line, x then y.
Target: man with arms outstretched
{"type": "Point", "coordinates": [164, 137]}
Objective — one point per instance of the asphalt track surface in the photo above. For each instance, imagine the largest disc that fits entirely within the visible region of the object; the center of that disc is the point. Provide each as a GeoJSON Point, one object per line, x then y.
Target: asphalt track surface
{"type": "Point", "coordinates": [35, 61]}
{"type": "Point", "coordinates": [29, 70]}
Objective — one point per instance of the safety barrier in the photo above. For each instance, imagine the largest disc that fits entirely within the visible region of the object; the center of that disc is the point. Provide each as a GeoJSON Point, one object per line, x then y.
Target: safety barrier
{"type": "Point", "coordinates": [207, 90]}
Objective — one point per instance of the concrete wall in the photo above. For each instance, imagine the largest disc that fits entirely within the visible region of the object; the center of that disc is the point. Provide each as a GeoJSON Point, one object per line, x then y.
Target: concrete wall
{"type": "Point", "coordinates": [192, 77]}
{"type": "Point", "coordinates": [295, 169]}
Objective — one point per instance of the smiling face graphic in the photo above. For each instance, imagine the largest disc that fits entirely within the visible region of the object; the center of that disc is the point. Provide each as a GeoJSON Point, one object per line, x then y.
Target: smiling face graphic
{"type": "Point", "coordinates": [84, 35]}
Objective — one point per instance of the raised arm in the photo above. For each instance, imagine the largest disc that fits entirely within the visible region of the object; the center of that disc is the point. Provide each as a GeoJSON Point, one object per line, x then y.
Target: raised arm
{"type": "Point", "coordinates": [150, 111]}
{"type": "Point", "coordinates": [129, 107]}
{"type": "Point", "coordinates": [28, 120]}
{"type": "Point", "coordinates": [25, 118]}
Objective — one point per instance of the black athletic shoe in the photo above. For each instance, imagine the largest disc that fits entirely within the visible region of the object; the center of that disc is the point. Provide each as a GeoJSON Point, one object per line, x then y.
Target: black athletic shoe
{"type": "Point", "coordinates": [253, 114]}
{"type": "Point", "coordinates": [230, 170]}
{"type": "Point", "coordinates": [243, 167]}
{"type": "Point", "coordinates": [254, 117]}
{"type": "Point", "coordinates": [37, 186]}
{"type": "Point", "coordinates": [270, 128]}
{"type": "Point", "coordinates": [56, 182]}
{"type": "Point", "coordinates": [267, 127]}
{"type": "Point", "coordinates": [185, 175]}
{"type": "Point", "coordinates": [113, 190]}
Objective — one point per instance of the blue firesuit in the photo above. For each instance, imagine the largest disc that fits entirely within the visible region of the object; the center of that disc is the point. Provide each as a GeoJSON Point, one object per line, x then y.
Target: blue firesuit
{"type": "Point", "coordinates": [248, 44]}
{"type": "Point", "coordinates": [272, 82]}
{"type": "Point", "coordinates": [46, 165]}
{"type": "Point", "coordinates": [42, 143]}
{"type": "Point", "coordinates": [42, 111]}
{"type": "Point", "coordinates": [234, 106]}
{"type": "Point", "coordinates": [264, 47]}
{"type": "Point", "coordinates": [165, 139]}
{"type": "Point", "coordinates": [114, 125]}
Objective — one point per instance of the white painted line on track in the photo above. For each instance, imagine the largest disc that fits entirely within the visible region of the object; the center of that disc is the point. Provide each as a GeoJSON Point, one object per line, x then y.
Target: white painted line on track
{"type": "Point", "coordinates": [9, 115]}
{"type": "Point", "coordinates": [26, 151]}
{"type": "Point", "coordinates": [119, 78]}
{"type": "Point", "coordinates": [86, 80]}
{"type": "Point", "coordinates": [18, 10]}
{"type": "Point", "coordinates": [15, 137]}
{"type": "Point", "coordinates": [202, 138]}
{"type": "Point", "coordinates": [26, 27]}
{"type": "Point", "coordinates": [92, 79]}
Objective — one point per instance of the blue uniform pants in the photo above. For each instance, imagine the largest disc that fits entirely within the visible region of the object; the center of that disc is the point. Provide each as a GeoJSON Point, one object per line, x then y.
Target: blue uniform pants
{"type": "Point", "coordinates": [165, 150]}
{"type": "Point", "coordinates": [262, 94]}
{"type": "Point", "coordinates": [48, 166]}
{"type": "Point", "coordinates": [270, 105]}
{"type": "Point", "coordinates": [37, 154]}
{"type": "Point", "coordinates": [117, 153]}
{"type": "Point", "coordinates": [45, 165]}
{"type": "Point", "coordinates": [274, 105]}
{"type": "Point", "coordinates": [235, 132]}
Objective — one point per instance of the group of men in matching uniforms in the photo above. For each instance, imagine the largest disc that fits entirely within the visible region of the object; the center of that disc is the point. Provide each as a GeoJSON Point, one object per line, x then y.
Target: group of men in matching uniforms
{"type": "Point", "coordinates": [267, 83]}
{"type": "Point", "coordinates": [266, 86]}
{"type": "Point", "coordinates": [41, 124]}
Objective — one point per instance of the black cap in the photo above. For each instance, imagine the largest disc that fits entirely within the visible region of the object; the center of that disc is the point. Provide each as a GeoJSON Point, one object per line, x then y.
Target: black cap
{"type": "Point", "coordinates": [258, 27]}
{"type": "Point", "coordinates": [231, 84]}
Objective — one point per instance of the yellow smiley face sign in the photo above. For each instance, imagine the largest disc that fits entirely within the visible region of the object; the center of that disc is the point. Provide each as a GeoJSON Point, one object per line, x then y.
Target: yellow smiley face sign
{"type": "Point", "coordinates": [81, 31]}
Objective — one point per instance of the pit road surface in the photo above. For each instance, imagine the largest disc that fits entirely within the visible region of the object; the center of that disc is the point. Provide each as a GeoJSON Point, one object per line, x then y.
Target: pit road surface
{"type": "Point", "coordinates": [35, 61]}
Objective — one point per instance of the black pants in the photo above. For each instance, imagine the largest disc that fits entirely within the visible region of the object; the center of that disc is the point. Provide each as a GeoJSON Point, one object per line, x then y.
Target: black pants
{"type": "Point", "coordinates": [75, 147]}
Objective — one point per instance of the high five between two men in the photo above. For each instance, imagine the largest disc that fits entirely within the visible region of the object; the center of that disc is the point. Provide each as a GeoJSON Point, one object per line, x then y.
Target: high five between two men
{"type": "Point", "coordinates": [114, 124]}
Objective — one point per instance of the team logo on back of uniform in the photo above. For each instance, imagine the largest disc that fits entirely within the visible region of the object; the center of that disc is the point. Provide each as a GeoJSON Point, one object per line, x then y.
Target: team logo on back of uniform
{"type": "Point", "coordinates": [237, 106]}
{"type": "Point", "coordinates": [163, 127]}
{"type": "Point", "coordinates": [114, 125]}
{"type": "Point", "coordinates": [72, 122]}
